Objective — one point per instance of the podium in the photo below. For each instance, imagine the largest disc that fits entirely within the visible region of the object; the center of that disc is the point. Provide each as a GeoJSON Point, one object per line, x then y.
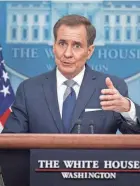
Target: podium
{"type": "Point", "coordinates": [21, 154]}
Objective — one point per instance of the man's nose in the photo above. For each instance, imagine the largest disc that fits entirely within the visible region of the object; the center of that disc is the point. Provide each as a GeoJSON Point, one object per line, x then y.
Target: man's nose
{"type": "Point", "coordinates": [68, 52]}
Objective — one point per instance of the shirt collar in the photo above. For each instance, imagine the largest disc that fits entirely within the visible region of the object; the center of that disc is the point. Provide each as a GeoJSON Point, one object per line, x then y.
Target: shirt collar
{"type": "Point", "coordinates": [61, 79]}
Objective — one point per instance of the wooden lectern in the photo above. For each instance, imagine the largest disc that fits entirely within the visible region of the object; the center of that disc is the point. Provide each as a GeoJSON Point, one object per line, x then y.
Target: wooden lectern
{"type": "Point", "coordinates": [14, 150]}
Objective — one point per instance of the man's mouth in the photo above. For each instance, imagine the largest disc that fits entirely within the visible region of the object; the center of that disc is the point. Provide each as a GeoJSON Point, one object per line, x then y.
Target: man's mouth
{"type": "Point", "coordinates": [67, 63]}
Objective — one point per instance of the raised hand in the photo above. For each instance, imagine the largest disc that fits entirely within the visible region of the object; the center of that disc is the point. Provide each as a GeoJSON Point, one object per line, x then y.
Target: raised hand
{"type": "Point", "coordinates": [111, 99]}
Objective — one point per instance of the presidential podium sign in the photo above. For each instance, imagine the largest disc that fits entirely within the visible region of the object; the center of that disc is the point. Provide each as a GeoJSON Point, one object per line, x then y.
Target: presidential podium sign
{"type": "Point", "coordinates": [76, 160]}
{"type": "Point", "coordinates": [85, 167]}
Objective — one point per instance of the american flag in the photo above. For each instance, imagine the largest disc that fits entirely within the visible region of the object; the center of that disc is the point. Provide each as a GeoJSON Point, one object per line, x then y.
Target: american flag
{"type": "Point", "coordinates": [6, 93]}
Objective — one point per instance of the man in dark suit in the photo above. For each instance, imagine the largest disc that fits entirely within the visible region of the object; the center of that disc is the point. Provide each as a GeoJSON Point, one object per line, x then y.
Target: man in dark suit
{"type": "Point", "coordinates": [73, 98]}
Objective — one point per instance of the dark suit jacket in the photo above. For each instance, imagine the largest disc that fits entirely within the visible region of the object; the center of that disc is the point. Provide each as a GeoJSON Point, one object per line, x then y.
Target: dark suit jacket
{"type": "Point", "coordinates": [36, 107]}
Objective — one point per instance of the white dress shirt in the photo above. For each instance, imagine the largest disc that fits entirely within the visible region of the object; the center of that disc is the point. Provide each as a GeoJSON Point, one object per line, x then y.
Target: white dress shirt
{"type": "Point", "coordinates": [129, 116]}
{"type": "Point", "coordinates": [61, 87]}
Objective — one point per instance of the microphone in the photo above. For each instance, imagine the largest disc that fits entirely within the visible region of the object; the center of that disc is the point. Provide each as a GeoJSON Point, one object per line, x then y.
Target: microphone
{"type": "Point", "coordinates": [1, 179]}
{"type": "Point", "coordinates": [91, 127]}
{"type": "Point", "coordinates": [78, 123]}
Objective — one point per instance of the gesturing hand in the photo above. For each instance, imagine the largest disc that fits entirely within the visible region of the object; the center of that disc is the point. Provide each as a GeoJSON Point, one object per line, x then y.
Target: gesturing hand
{"type": "Point", "coordinates": [111, 99]}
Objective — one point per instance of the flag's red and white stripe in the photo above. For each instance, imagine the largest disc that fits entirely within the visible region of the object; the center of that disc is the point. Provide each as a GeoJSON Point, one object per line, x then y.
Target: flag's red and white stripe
{"type": "Point", "coordinates": [3, 118]}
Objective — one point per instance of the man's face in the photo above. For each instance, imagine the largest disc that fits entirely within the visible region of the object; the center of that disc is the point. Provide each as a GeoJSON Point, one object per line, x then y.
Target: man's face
{"type": "Point", "coordinates": [71, 50]}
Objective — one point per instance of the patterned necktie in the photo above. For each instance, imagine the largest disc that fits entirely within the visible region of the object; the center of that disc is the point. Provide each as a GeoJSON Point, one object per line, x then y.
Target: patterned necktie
{"type": "Point", "coordinates": [69, 100]}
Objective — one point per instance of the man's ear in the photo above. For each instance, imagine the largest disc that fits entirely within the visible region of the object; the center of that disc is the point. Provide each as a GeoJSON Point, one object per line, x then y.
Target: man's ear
{"type": "Point", "coordinates": [54, 48]}
{"type": "Point", "coordinates": [90, 51]}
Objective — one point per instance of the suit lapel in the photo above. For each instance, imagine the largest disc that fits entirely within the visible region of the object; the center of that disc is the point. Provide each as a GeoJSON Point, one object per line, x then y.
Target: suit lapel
{"type": "Point", "coordinates": [50, 91]}
{"type": "Point", "coordinates": [87, 89]}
